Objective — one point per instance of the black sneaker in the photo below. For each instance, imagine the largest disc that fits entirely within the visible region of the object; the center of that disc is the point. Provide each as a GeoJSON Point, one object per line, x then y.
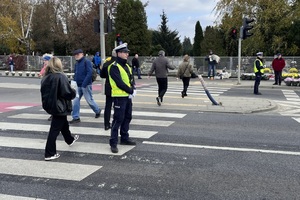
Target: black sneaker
{"type": "Point", "coordinates": [74, 121]}
{"type": "Point", "coordinates": [114, 149]}
{"type": "Point", "coordinates": [158, 101]}
{"type": "Point", "coordinates": [128, 142]}
{"type": "Point", "coordinates": [107, 127]}
{"type": "Point", "coordinates": [98, 114]}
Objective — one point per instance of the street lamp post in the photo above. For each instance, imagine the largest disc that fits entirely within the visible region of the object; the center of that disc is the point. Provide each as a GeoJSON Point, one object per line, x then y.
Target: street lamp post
{"type": "Point", "coordinates": [102, 36]}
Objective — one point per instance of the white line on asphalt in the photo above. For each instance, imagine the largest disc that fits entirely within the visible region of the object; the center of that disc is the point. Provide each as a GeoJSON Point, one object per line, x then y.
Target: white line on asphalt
{"type": "Point", "coordinates": [44, 169]}
{"type": "Point", "coordinates": [18, 107]}
{"type": "Point", "coordinates": [293, 99]}
{"type": "Point", "coordinates": [223, 148]}
{"type": "Point", "coordinates": [12, 197]}
{"type": "Point", "coordinates": [143, 122]}
{"type": "Point", "coordinates": [79, 147]}
{"type": "Point", "coordinates": [139, 113]}
{"type": "Point", "coordinates": [74, 130]}
{"type": "Point", "coordinates": [19, 86]}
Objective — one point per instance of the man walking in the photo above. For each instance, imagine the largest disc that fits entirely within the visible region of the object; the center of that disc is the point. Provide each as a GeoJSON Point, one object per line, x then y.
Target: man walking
{"type": "Point", "coordinates": [83, 77]}
{"type": "Point", "coordinates": [123, 90]}
{"type": "Point", "coordinates": [278, 64]}
{"type": "Point", "coordinates": [258, 70]}
{"type": "Point", "coordinates": [136, 65]}
{"type": "Point", "coordinates": [160, 66]}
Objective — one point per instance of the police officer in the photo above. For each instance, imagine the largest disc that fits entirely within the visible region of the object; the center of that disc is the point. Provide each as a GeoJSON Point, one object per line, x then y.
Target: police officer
{"type": "Point", "coordinates": [258, 70]}
{"type": "Point", "coordinates": [108, 99]}
{"type": "Point", "coordinates": [123, 90]}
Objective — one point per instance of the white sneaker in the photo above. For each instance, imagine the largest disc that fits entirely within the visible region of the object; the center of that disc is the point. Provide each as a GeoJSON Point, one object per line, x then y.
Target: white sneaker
{"type": "Point", "coordinates": [52, 157]}
{"type": "Point", "coordinates": [76, 137]}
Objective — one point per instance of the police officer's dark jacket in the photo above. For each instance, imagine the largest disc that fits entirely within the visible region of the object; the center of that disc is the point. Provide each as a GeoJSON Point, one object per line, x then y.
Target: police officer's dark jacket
{"type": "Point", "coordinates": [104, 74]}
{"type": "Point", "coordinates": [57, 94]}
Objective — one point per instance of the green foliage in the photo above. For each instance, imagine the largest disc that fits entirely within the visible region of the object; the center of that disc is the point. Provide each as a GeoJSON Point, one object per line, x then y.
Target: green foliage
{"type": "Point", "coordinates": [198, 39]}
{"type": "Point", "coordinates": [187, 47]}
{"type": "Point", "coordinates": [213, 40]}
{"type": "Point", "coordinates": [131, 23]}
{"type": "Point", "coordinates": [169, 40]}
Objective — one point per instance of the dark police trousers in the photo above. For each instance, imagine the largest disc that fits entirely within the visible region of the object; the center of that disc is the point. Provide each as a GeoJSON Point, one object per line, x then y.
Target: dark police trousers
{"type": "Point", "coordinates": [107, 110]}
{"type": "Point", "coordinates": [58, 124]}
{"type": "Point", "coordinates": [186, 83]}
{"type": "Point", "coordinates": [122, 118]}
{"type": "Point", "coordinates": [257, 82]}
{"type": "Point", "coordinates": [162, 87]}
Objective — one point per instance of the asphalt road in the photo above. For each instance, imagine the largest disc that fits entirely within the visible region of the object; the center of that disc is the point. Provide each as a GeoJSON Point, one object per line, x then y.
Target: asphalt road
{"type": "Point", "coordinates": [191, 155]}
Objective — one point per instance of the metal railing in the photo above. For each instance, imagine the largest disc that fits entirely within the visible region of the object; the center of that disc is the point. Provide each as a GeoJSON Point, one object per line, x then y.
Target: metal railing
{"type": "Point", "coordinates": [35, 63]}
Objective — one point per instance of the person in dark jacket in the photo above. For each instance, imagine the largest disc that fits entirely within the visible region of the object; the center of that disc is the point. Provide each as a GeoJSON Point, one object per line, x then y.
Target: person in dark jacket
{"type": "Point", "coordinates": [278, 64]}
{"type": "Point", "coordinates": [160, 66]}
{"type": "Point", "coordinates": [83, 77]}
{"type": "Point", "coordinates": [108, 98]}
{"type": "Point", "coordinates": [57, 94]}
{"type": "Point", "coordinates": [136, 65]}
{"type": "Point", "coordinates": [211, 64]}
{"type": "Point", "coordinates": [259, 71]}
{"type": "Point", "coordinates": [11, 64]}
{"type": "Point", "coordinates": [123, 90]}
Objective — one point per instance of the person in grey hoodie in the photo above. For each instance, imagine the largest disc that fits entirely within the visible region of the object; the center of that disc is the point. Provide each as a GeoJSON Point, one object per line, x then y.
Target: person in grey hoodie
{"type": "Point", "coordinates": [160, 66]}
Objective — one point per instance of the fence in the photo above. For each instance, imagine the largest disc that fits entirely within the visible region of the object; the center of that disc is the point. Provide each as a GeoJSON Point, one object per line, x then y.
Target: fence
{"type": "Point", "coordinates": [35, 63]}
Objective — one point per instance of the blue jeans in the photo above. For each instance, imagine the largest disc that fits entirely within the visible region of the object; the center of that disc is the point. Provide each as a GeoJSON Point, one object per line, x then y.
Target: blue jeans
{"type": "Point", "coordinates": [138, 72]}
{"type": "Point", "coordinates": [122, 118]}
{"type": "Point", "coordinates": [211, 68]}
{"type": "Point", "coordinates": [87, 93]}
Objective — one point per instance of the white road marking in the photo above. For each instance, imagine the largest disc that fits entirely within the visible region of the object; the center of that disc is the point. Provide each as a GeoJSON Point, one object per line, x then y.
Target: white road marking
{"type": "Point", "coordinates": [79, 147]}
{"type": "Point", "coordinates": [223, 148]}
{"type": "Point", "coordinates": [74, 130]}
{"type": "Point", "coordinates": [46, 169]}
{"type": "Point", "coordinates": [12, 197]}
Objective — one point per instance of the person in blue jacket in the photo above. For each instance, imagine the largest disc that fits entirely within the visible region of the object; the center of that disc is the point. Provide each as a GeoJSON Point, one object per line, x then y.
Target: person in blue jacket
{"type": "Point", "coordinates": [83, 77]}
{"type": "Point", "coordinates": [97, 62]}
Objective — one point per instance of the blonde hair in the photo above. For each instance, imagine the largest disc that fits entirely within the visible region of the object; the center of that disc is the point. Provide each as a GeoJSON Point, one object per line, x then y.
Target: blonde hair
{"type": "Point", "coordinates": [54, 65]}
{"type": "Point", "coordinates": [186, 58]}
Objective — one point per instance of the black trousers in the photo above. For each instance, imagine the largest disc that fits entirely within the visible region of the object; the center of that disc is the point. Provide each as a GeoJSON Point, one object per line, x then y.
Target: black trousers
{"type": "Point", "coordinates": [107, 110]}
{"type": "Point", "coordinates": [186, 83]}
{"type": "Point", "coordinates": [122, 118]}
{"type": "Point", "coordinates": [257, 83]}
{"type": "Point", "coordinates": [162, 87]}
{"type": "Point", "coordinates": [278, 77]}
{"type": "Point", "coordinates": [58, 124]}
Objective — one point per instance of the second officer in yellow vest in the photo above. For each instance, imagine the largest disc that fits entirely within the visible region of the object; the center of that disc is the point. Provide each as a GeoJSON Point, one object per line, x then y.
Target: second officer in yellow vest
{"type": "Point", "coordinates": [259, 71]}
{"type": "Point", "coordinates": [122, 91]}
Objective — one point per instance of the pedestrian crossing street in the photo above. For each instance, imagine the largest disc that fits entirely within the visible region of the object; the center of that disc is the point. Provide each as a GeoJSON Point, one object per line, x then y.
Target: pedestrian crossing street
{"type": "Point", "coordinates": [27, 130]}
{"type": "Point", "coordinates": [291, 107]}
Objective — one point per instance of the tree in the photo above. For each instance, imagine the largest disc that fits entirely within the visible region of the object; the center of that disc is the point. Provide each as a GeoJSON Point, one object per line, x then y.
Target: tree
{"type": "Point", "coordinates": [133, 28]}
{"type": "Point", "coordinates": [213, 40]}
{"type": "Point", "coordinates": [187, 47]}
{"type": "Point", "coordinates": [198, 39]}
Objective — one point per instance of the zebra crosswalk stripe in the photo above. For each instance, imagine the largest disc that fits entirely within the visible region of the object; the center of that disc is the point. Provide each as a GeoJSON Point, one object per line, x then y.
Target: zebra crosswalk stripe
{"type": "Point", "coordinates": [13, 197]}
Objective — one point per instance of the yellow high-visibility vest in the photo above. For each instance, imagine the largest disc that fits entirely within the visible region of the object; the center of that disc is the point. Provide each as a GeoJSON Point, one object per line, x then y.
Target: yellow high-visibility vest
{"type": "Point", "coordinates": [115, 91]}
{"type": "Point", "coordinates": [261, 64]}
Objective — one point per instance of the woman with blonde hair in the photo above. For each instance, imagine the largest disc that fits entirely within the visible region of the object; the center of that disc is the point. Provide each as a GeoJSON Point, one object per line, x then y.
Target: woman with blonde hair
{"type": "Point", "coordinates": [184, 73]}
{"type": "Point", "coordinates": [57, 94]}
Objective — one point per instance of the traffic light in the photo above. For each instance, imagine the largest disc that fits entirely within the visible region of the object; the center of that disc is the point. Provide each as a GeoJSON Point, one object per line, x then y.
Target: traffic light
{"type": "Point", "coordinates": [96, 26]}
{"type": "Point", "coordinates": [118, 39]}
{"type": "Point", "coordinates": [233, 33]}
{"type": "Point", "coordinates": [247, 27]}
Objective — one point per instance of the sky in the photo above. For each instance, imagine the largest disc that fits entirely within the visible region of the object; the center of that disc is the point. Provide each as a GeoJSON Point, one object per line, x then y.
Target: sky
{"type": "Point", "coordinates": [182, 15]}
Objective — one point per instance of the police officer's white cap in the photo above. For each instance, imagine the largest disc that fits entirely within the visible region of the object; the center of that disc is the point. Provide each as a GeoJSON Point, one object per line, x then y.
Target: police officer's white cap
{"type": "Point", "coordinates": [259, 53]}
{"type": "Point", "coordinates": [122, 48]}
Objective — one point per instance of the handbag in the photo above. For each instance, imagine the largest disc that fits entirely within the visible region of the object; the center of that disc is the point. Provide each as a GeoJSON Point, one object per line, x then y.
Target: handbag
{"type": "Point", "coordinates": [194, 75]}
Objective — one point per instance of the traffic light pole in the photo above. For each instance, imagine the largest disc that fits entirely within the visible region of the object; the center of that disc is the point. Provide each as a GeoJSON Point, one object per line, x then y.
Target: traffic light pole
{"type": "Point", "coordinates": [240, 56]}
{"type": "Point", "coordinates": [102, 36]}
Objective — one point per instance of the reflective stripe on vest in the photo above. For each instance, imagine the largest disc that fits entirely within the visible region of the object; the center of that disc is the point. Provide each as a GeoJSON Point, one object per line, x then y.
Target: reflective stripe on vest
{"type": "Point", "coordinates": [261, 64]}
{"type": "Point", "coordinates": [115, 91]}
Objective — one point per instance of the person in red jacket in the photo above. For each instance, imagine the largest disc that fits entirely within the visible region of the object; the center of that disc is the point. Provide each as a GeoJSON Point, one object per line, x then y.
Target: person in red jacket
{"type": "Point", "coordinates": [278, 64]}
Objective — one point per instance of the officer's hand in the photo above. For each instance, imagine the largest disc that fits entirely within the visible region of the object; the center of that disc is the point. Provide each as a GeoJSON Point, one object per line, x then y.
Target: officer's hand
{"type": "Point", "coordinates": [134, 93]}
{"type": "Point", "coordinates": [130, 96]}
